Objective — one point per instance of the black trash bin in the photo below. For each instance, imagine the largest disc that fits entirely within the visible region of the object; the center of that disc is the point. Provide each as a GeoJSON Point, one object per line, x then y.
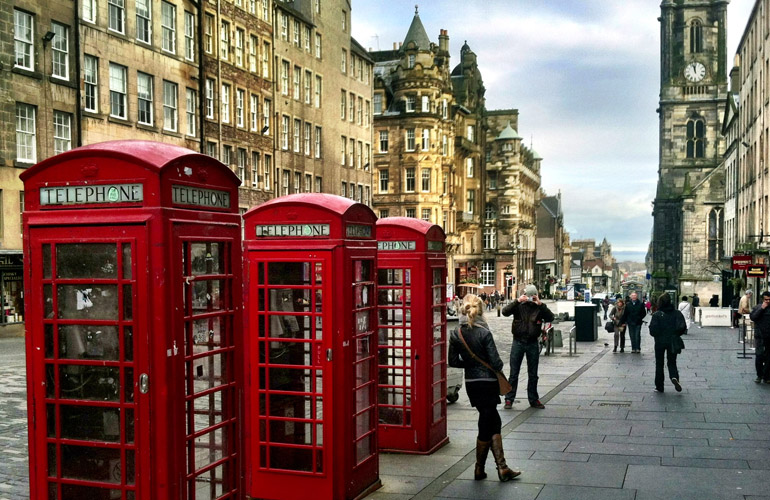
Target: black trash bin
{"type": "Point", "coordinates": [586, 324]}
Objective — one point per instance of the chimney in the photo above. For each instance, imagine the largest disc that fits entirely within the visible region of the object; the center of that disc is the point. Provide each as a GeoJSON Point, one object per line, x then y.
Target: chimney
{"type": "Point", "coordinates": [443, 41]}
{"type": "Point", "coordinates": [735, 80]}
{"type": "Point", "coordinates": [395, 46]}
{"type": "Point", "coordinates": [400, 44]}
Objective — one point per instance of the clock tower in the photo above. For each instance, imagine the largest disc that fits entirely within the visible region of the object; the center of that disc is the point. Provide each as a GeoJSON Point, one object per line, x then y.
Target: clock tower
{"type": "Point", "coordinates": [693, 89]}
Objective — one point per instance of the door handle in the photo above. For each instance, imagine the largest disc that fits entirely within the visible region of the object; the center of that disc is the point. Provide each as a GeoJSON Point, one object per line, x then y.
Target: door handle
{"type": "Point", "coordinates": [144, 383]}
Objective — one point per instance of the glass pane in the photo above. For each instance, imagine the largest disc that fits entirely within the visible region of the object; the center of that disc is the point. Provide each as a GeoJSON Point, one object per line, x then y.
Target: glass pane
{"type": "Point", "coordinates": [128, 303]}
{"type": "Point", "coordinates": [363, 398]}
{"type": "Point", "coordinates": [290, 300]}
{"type": "Point", "coordinates": [209, 448]}
{"type": "Point", "coordinates": [290, 379]}
{"type": "Point", "coordinates": [90, 423]}
{"type": "Point", "coordinates": [89, 342]}
{"type": "Point", "coordinates": [129, 425]}
{"type": "Point", "coordinates": [318, 273]}
{"type": "Point", "coordinates": [407, 277]}
{"type": "Point", "coordinates": [207, 333]}
{"type": "Point", "coordinates": [362, 270]}
{"type": "Point", "coordinates": [209, 372]}
{"type": "Point", "coordinates": [86, 260]}
{"type": "Point", "coordinates": [96, 383]}
{"type": "Point", "coordinates": [207, 411]}
{"type": "Point", "coordinates": [130, 466]}
{"type": "Point", "coordinates": [301, 432]}
{"type": "Point", "coordinates": [75, 492]}
{"type": "Point", "coordinates": [362, 321]}
{"type": "Point", "coordinates": [126, 261]}
{"type": "Point", "coordinates": [290, 406]}
{"type": "Point", "coordinates": [50, 411]}
{"type": "Point", "coordinates": [299, 459]}
{"type": "Point", "coordinates": [87, 301]}
{"type": "Point", "coordinates": [90, 463]}
{"type": "Point", "coordinates": [318, 328]}
{"type": "Point", "coordinates": [363, 449]}
{"type": "Point", "coordinates": [362, 295]}
{"type": "Point", "coordinates": [52, 460]}
{"type": "Point", "coordinates": [207, 258]}
{"type": "Point", "coordinates": [211, 484]}
{"type": "Point", "coordinates": [47, 261]}
{"type": "Point", "coordinates": [288, 273]}
{"type": "Point", "coordinates": [128, 343]}
{"type": "Point", "coordinates": [48, 333]}
{"type": "Point", "coordinates": [437, 277]}
{"type": "Point", "coordinates": [207, 295]}
{"type": "Point", "coordinates": [129, 384]}
{"type": "Point", "coordinates": [291, 353]}
{"type": "Point", "coordinates": [48, 301]}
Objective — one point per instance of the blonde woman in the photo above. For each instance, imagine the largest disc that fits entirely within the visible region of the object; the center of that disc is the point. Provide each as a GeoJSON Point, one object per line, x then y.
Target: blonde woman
{"type": "Point", "coordinates": [480, 382]}
{"type": "Point", "coordinates": [620, 330]}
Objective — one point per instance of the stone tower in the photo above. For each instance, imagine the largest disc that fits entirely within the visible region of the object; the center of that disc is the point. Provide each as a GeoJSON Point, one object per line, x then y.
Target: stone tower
{"type": "Point", "coordinates": [693, 87]}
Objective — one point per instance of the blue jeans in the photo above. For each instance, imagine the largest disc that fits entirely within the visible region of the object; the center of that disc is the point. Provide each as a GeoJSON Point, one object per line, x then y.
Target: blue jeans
{"type": "Point", "coordinates": [635, 335]}
{"type": "Point", "coordinates": [532, 352]}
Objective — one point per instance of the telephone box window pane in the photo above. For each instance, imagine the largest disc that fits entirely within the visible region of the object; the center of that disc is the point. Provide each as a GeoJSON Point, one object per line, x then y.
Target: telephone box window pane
{"type": "Point", "coordinates": [207, 411]}
{"type": "Point", "coordinates": [210, 484]}
{"type": "Point", "coordinates": [290, 300]}
{"type": "Point", "coordinates": [47, 261]}
{"type": "Point", "coordinates": [130, 466]}
{"type": "Point", "coordinates": [390, 276]}
{"type": "Point", "coordinates": [89, 342]}
{"type": "Point", "coordinates": [208, 295]}
{"type": "Point", "coordinates": [75, 492]}
{"type": "Point", "coordinates": [50, 411]}
{"type": "Point", "coordinates": [87, 260]}
{"type": "Point", "coordinates": [88, 301]}
{"type": "Point", "coordinates": [209, 448]}
{"type": "Point", "coordinates": [291, 459]}
{"type": "Point", "coordinates": [291, 353]}
{"type": "Point", "coordinates": [52, 460]}
{"type": "Point", "coordinates": [363, 294]}
{"type": "Point", "coordinates": [95, 383]}
{"type": "Point", "coordinates": [209, 372]}
{"type": "Point", "coordinates": [90, 423]}
{"type": "Point", "coordinates": [128, 303]}
{"type": "Point", "coordinates": [48, 301]}
{"type": "Point", "coordinates": [129, 385]}
{"type": "Point", "coordinates": [289, 406]}
{"type": "Point", "coordinates": [261, 273]}
{"type": "Point", "coordinates": [48, 332]}
{"type": "Point", "coordinates": [363, 270]}
{"type": "Point", "coordinates": [127, 261]}
{"type": "Point", "coordinates": [290, 379]}
{"type": "Point", "coordinates": [207, 258]}
{"type": "Point", "coordinates": [318, 301]}
{"type": "Point", "coordinates": [437, 277]}
{"type": "Point", "coordinates": [53, 491]}
{"type": "Point", "coordinates": [318, 328]}
{"type": "Point", "coordinates": [90, 464]}
{"type": "Point", "coordinates": [128, 343]}
{"type": "Point", "coordinates": [407, 276]}
{"type": "Point", "coordinates": [318, 273]}
{"type": "Point", "coordinates": [206, 333]}
{"type": "Point", "coordinates": [363, 398]}
{"type": "Point", "coordinates": [302, 433]}
{"type": "Point", "coordinates": [129, 425]}
{"type": "Point", "coordinates": [363, 449]}
{"type": "Point", "coordinates": [288, 273]}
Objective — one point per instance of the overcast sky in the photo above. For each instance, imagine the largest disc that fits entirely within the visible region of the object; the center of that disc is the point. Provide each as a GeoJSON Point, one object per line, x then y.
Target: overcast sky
{"type": "Point", "coordinates": [584, 75]}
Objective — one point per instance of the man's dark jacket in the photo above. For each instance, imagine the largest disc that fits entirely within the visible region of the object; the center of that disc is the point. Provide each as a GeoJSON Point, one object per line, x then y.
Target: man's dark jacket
{"type": "Point", "coordinates": [667, 324]}
{"type": "Point", "coordinates": [634, 313]}
{"type": "Point", "coordinates": [761, 318]}
{"type": "Point", "coordinates": [528, 319]}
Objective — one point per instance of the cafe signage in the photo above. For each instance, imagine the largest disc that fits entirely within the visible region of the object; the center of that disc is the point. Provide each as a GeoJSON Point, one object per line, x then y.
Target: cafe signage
{"type": "Point", "coordinates": [742, 261]}
{"type": "Point", "coordinates": [756, 271]}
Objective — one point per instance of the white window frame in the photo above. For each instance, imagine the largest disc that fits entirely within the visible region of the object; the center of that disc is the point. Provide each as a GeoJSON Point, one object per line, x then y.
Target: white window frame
{"type": "Point", "coordinates": [88, 11]}
{"type": "Point", "coordinates": [253, 53]}
{"type": "Point", "coordinates": [425, 180]}
{"type": "Point", "coordinates": [285, 132]}
{"type": "Point", "coordinates": [384, 141]}
{"type": "Point", "coordinates": [308, 90]}
{"type": "Point", "coordinates": [224, 114]}
{"type": "Point", "coordinates": [266, 105]}
{"type": "Point", "coordinates": [470, 167]}
{"type": "Point", "coordinates": [318, 46]}
{"type": "Point", "coordinates": [23, 36]}
{"type": "Point", "coordinates": [296, 135]}
{"type": "Point", "coordinates": [240, 102]}
{"type": "Point", "coordinates": [168, 27]}
{"type": "Point", "coordinates": [26, 133]}
{"type": "Point", "coordinates": [490, 238]}
{"type": "Point", "coordinates": [297, 83]}
{"type": "Point", "coordinates": [425, 215]}
{"type": "Point", "coordinates": [317, 90]}
{"type": "Point", "coordinates": [254, 112]}
{"type": "Point", "coordinates": [425, 146]}
{"type": "Point", "coordinates": [268, 163]}
{"type": "Point", "coordinates": [91, 83]}
{"type": "Point", "coordinates": [410, 144]}
{"type": "Point", "coordinates": [409, 180]}
{"type": "Point", "coordinates": [208, 32]}
{"type": "Point", "coordinates": [240, 37]}
{"type": "Point", "coordinates": [60, 57]}
{"type": "Point", "coordinates": [377, 100]}
{"type": "Point", "coordinates": [191, 111]}
{"type": "Point", "coordinates": [224, 40]}
{"type": "Point", "coordinates": [189, 36]}
{"type": "Point", "coordinates": [488, 273]}
{"type": "Point", "coordinates": [116, 15]}
{"type": "Point", "coordinates": [425, 104]}
{"type": "Point", "coordinates": [470, 201]}
{"type": "Point", "coordinates": [210, 97]}
{"type": "Point", "coordinates": [62, 132]}
{"type": "Point", "coordinates": [266, 59]}
{"type": "Point", "coordinates": [284, 77]}
{"type": "Point", "coordinates": [306, 138]}
{"type": "Point", "coordinates": [317, 148]}
{"type": "Point", "coordinates": [170, 106]}
{"type": "Point", "coordinates": [297, 34]}
{"type": "Point", "coordinates": [410, 104]}
{"type": "Point", "coordinates": [144, 21]}
{"type": "Point", "coordinates": [118, 90]}
{"type": "Point", "coordinates": [145, 114]}
{"type": "Point", "coordinates": [344, 61]}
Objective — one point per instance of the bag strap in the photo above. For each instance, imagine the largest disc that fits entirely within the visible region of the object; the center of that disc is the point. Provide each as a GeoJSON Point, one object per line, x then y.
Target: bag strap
{"type": "Point", "coordinates": [482, 362]}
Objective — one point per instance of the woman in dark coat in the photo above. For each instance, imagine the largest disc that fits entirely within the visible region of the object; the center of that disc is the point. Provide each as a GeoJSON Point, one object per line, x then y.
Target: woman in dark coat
{"type": "Point", "coordinates": [481, 383]}
{"type": "Point", "coordinates": [667, 326]}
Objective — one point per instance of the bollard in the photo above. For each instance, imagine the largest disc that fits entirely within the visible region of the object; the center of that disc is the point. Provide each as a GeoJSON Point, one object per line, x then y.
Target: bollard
{"type": "Point", "coordinates": [498, 309]}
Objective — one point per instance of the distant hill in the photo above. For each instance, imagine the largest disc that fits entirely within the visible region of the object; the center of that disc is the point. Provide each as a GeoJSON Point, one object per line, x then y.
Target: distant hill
{"type": "Point", "coordinates": [632, 267]}
{"type": "Point", "coordinates": [629, 256]}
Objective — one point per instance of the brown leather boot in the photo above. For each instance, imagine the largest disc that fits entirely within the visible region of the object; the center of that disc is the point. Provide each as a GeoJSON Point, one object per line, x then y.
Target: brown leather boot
{"type": "Point", "coordinates": [482, 450]}
{"type": "Point", "coordinates": [503, 472]}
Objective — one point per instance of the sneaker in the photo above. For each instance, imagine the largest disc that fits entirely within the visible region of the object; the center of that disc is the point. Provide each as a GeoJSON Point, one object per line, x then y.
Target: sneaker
{"type": "Point", "coordinates": [622, 350]}
{"type": "Point", "coordinates": [758, 380]}
{"type": "Point", "coordinates": [537, 404]}
{"type": "Point", "coordinates": [508, 404]}
{"type": "Point", "coordinates": [677, 385]}
{"type": "Point", "coordinates": [657, 390]}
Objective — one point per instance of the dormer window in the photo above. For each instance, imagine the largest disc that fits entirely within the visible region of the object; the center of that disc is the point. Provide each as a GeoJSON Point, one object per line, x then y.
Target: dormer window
{"type": "Point", "coordinates": [410, 61]}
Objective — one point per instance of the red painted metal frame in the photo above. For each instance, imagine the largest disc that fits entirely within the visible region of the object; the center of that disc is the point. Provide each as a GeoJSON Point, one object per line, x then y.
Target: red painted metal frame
{"type": "Point", "coordinates": [155, 227]}
{"type": "Point", "coordinates": [421, 351]}
{"type": "Point", "coordinates": [345, 356]}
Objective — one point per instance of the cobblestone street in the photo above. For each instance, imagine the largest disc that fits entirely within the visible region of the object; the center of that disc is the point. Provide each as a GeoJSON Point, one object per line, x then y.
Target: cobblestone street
{"type": "Point", "coordinates": [13, 421]}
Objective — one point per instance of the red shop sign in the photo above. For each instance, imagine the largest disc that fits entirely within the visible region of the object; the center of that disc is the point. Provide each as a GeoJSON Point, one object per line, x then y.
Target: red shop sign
{"type": "Point", "coordinates": [742, 261]}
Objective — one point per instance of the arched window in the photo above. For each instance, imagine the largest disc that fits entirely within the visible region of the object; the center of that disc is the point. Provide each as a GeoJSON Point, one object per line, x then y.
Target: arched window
{"type": "Point", "coordinates": [715, 234]}
{"type": "Point", "coordinates": [696, 132]}
{"type": "Point", "coordinates": [490, 212]}
{"type": "Point", "coordinates": [696, 37]}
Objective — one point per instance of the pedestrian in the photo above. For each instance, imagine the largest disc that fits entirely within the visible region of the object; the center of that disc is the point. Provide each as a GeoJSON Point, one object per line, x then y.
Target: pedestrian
{"type": "Point", "coordinates": [529, 314]}
{"type": "Point", "coordinates": [744, 306]}
{"type": "Point", "coordinates": [714, 301]}
{"type": "Point", "coordinates": [647, 305]}
{"type": "Point", "coordinates": [480, 383]}
{"type": "Point", "coordinates": [633, 317]}
{"type": "Point", "coordinates": [734, 304]}
{"type": "Point", "coordinates": [666, 327]}
{"type": "Point", "coordinates": [605, 306]}
{"type": "Point", "coordinates": [686, 309]}
{"type": "Point", "coordinates": [760, 315]}
{"type": "Point", "coordinates": [620, 330]}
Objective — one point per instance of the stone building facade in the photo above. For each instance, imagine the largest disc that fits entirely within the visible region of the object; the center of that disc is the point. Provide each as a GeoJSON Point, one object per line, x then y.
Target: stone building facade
{"type": "Point", "coordinates": [549, 244]}
{"type": "Point", "coordinates": [323, 102]}
{"type": "Point", "coordinates": [692, 95]}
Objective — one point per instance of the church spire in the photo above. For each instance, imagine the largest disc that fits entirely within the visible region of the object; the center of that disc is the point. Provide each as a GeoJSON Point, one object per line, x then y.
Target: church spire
{"type": "Point", "coordinates": [416, 33]}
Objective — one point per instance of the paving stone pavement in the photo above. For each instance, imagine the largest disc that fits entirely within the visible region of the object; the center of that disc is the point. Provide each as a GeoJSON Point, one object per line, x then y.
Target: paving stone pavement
{"type": "Point", "coordinates": [603, 435]}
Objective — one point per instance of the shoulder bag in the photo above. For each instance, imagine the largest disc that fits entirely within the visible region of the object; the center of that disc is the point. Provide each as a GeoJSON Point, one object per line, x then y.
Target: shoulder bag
{"type": "Point", "coordinates": [505, 386]}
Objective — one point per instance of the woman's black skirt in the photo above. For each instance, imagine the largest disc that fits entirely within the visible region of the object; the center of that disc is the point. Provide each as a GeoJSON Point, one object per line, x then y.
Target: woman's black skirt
{"type": "Point", "coordinates": [483, 393]}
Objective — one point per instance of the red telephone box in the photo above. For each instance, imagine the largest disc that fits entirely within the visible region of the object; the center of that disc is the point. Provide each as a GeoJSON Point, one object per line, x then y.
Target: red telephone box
{"type": "Point", "coordinates": [411, 291]}
{"type": "Point", "coordinates": [310, 267]}
{"type": "Point", "coordinates": [133, 260]}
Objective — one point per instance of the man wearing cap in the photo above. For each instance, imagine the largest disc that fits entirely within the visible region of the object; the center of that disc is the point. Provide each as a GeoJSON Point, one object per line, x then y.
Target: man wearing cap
{"type": "Point", "coordinates": [529, 314]}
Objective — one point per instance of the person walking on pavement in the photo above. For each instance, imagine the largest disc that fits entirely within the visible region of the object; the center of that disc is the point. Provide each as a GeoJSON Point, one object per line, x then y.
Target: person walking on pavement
{"type": "Point", "coordinates": [606, 306]}
{"type": "Point", "coordinates": [480, 383]}
{"type": "Point", "coordinates": [695, 304]}
{"type": "Point", "coordinates": [744, 306]}
{"type": "Point", "coordinates": [686, 310]}
{"type": "Point", "coordinates": [633, 317]}
{"type": "Point", "coordinates": [714, 301]}
{"type": "Point", "coordinates": [620, 330]}
{"type": "Point", "coordinates": [529, 314]}
{"type": "Point", "coordinates": [760, 315]}
{"type": "Point", "coordinates": [667, 326]}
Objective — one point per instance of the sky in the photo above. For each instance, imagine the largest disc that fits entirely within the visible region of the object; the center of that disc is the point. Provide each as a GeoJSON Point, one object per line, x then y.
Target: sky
{"type": "Point", "coordinates": [585, 77]}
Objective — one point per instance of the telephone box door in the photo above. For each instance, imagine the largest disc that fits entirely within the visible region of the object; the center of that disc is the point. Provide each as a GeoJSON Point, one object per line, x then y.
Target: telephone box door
{"type": "Point", "coordinates": [290, 320]}
{"type": "Point", "coordinates": [207, 363]}
{"type": "Point", "coordinates": [90, 349]}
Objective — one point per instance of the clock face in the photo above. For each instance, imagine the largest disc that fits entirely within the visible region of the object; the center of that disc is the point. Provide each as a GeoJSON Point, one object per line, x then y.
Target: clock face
{"type": "Point", "coordinates": [695, 72]}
